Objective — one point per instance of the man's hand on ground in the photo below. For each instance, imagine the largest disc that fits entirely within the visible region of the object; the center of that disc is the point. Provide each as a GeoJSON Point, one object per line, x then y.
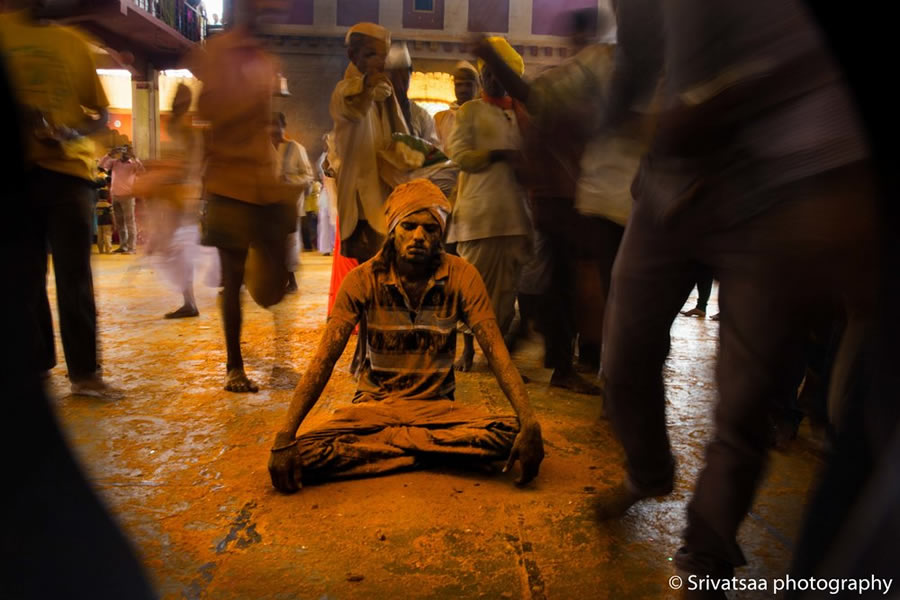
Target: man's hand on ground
{"type": "Point", "coordinates": [285, 464]}
{"type": "Point", "coordinates": [528, 449]}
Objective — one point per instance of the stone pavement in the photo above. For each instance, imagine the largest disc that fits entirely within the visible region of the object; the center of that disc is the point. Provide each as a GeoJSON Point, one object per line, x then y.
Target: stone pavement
{"type": "Point", "coordinates": [182, 466]}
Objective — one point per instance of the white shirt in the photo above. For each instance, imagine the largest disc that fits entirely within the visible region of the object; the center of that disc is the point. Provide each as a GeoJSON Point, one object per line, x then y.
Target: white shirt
{"type": "Point", "coordinates": [490, 202]}
{"type": "Point", "coordinates": [293, 167]}
{"type": "Point", "coordinates": [423, 124]}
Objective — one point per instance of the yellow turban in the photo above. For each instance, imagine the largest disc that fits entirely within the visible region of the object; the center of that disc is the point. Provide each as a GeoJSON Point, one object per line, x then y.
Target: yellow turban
{"type": "Point", "coordinates": [512, 58]}
{"type": "Point", "coordinates": [411, 197]}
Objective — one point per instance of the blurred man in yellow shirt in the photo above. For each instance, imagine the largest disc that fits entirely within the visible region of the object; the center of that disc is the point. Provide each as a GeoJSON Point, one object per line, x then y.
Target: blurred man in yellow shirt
{"type": "Point", "coordinates": [56, 85]}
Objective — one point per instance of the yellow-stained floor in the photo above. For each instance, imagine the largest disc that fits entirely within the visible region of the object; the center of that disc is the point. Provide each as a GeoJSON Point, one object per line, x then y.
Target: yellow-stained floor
{"type": "Point", "coordinates": [182, 466]}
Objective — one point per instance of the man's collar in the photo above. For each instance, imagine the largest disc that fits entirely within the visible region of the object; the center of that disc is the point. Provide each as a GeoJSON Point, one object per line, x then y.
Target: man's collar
{"type": "Point", "coordinates": [441, 274]}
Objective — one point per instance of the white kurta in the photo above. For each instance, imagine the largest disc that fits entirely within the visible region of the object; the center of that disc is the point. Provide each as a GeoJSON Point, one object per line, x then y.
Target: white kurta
{"type": "Point", "coordinates": [423, 124]}
{"type": "Point", "coordinates": [362, 129]}
{"type": "Point", "coordinates": [490, 201]}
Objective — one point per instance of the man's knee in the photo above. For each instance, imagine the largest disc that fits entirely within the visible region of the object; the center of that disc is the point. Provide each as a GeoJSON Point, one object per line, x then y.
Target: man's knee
{"type": "Point", "coordinates": [266, 274]}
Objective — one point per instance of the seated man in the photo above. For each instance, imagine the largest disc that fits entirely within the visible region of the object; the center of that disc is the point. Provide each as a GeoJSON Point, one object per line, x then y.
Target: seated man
{"type": "Point", "coordinates": [403, 415]}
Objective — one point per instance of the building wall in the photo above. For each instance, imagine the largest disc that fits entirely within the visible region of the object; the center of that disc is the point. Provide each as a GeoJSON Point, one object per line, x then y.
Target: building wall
{"type": "Point", "coordinates": [311, 79]}
{"type": "Point", "coordinates": [523, 21]}
{"type": "Point", "coordinates": [314, 58]}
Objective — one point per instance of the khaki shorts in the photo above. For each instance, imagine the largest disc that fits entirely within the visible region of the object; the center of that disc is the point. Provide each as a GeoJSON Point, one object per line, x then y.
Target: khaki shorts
{"type": "Point", "coordinates": [230, 223]}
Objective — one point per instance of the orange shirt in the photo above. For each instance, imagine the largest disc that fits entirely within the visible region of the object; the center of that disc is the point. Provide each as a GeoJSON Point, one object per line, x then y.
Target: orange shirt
{"type": "Point", "coordinates": [238, 78]}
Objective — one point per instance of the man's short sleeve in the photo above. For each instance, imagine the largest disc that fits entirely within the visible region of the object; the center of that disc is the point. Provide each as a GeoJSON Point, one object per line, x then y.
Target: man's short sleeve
{"type": "Point", "coordinates": [475, 304]}
{"type": "Point", "coordinates": [353, 296]}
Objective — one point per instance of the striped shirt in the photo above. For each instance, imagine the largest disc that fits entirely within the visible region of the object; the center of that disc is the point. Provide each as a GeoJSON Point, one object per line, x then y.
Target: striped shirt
{"type": "Point", "coordinates": [411, 352]}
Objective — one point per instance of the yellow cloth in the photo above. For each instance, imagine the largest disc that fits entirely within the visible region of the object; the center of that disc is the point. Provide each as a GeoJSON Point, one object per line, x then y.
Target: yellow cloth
{"type": "Point", "coordinates": [52, 71]}
{"type": "Point", "coordinates": [512, 58]}
{"type": "Point", "coordinates": [409, 198]}
{"type": "Point", "coordinates": [370, 29]}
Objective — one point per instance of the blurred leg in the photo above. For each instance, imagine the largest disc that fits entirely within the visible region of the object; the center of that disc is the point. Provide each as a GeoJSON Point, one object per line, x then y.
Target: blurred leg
{"type": "Point", "coordinates": [69, 233]}
{"type": "Point", "coordinates": [130, 222]}
{"type": "Point", "coordinates": [232, 260]}
{"type": "Point", "coordinates": [652, 277]}
{"type": "Point", "coordinates": [810, 253]}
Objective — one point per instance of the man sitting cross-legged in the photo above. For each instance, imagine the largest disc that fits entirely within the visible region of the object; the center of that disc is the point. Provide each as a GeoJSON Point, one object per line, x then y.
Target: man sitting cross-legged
{"type": "Point", "coordinates": [403, 414]}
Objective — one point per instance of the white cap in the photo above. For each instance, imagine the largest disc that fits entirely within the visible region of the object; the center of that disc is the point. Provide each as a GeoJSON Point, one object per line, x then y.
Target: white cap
{"type": "Point", "coordinates": [398, 57]}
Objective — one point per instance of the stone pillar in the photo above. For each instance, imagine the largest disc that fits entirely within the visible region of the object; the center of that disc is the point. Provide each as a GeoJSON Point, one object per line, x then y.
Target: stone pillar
{"type": "Point", "coordinates": [456, 17]}
{"type": "Point", "coordinates": [390, 15]}
{"type": "Point", "coordinates": [145, 114]}
{"type": "Point", "coordinates": [324, 13]}
{"type": "Point", "coordinates": [520, 20]}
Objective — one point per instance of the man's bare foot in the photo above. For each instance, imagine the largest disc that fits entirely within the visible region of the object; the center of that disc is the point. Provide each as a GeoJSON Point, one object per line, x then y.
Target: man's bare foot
{"type": "Point", "coordinates": [573, 382]}
{"type": "Point", "coordinates": [292, 286]}
{"type": "Point", "coordinates": [283, 378]}
{"type": "Point", "coordinates": [184, 312]}
{"type": "Point", "coordinates": [615, 502]}
{"type": "Point", "coordinates": [694, 312]}
{"type": "Point", "coordinates": [95, 387]}
{"type": "Point", "coordinates": [237, 381]}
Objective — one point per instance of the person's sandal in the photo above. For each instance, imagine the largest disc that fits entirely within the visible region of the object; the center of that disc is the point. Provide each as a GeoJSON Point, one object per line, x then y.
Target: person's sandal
{"type": "Point", "coordinates": [183, 313]}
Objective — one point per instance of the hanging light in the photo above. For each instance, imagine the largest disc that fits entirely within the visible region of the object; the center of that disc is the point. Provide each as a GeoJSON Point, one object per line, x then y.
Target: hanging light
{"type": "Point", "coordinates": [282, 90]}
{"type": "Point", "coordinates": [432, 91]}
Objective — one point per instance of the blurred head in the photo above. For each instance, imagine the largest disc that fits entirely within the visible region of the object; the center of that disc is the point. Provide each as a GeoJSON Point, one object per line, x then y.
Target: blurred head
{"type": "Point", "coordinates": [508, 54]}
{"type": "Point", "coordinates": [367, 47]}
{"type": "Point", "coordinates": [400, 80]}
{"type": "Point", "coordinates": [584, 26]}
{"type": "Point", "coordinates": [277, 127]}
{"type": "Point", "coordinates": [465, 83]}
{"type": "Point", "coordinates": [492, 85]}
{"type": "Point", "coordinates": [181, 103]}
{"type": "Point", "coordinates": [588, 25]}
{"type": "Point", "coordinates": [127, 153]}
{"type": "Point", "coordinates": [398, 66]}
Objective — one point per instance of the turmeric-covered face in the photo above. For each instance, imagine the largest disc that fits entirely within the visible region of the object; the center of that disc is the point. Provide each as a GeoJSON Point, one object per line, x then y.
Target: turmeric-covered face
{"type": "Point", "coordinates": [417, 238]}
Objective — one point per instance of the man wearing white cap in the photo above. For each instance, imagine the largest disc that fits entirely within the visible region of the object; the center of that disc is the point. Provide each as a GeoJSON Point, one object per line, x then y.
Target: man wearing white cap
{"type": "Point", "coordinates": [399, 68]}
{"type": "Point", "coordinates": [465, 85]}
{"type": "Point", "coordinates": [366, 113]}
{"type": "Point", "coordinates": [403, 413]}
{"type": "Point", "coordinates": [490, 223]}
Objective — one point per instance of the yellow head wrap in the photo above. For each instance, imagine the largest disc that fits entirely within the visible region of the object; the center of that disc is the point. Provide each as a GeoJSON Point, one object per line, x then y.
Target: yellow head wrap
{"type": "Point", "coordinates": [512, 58]}
{"type": "Point", "coordinates": [411, 197]}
